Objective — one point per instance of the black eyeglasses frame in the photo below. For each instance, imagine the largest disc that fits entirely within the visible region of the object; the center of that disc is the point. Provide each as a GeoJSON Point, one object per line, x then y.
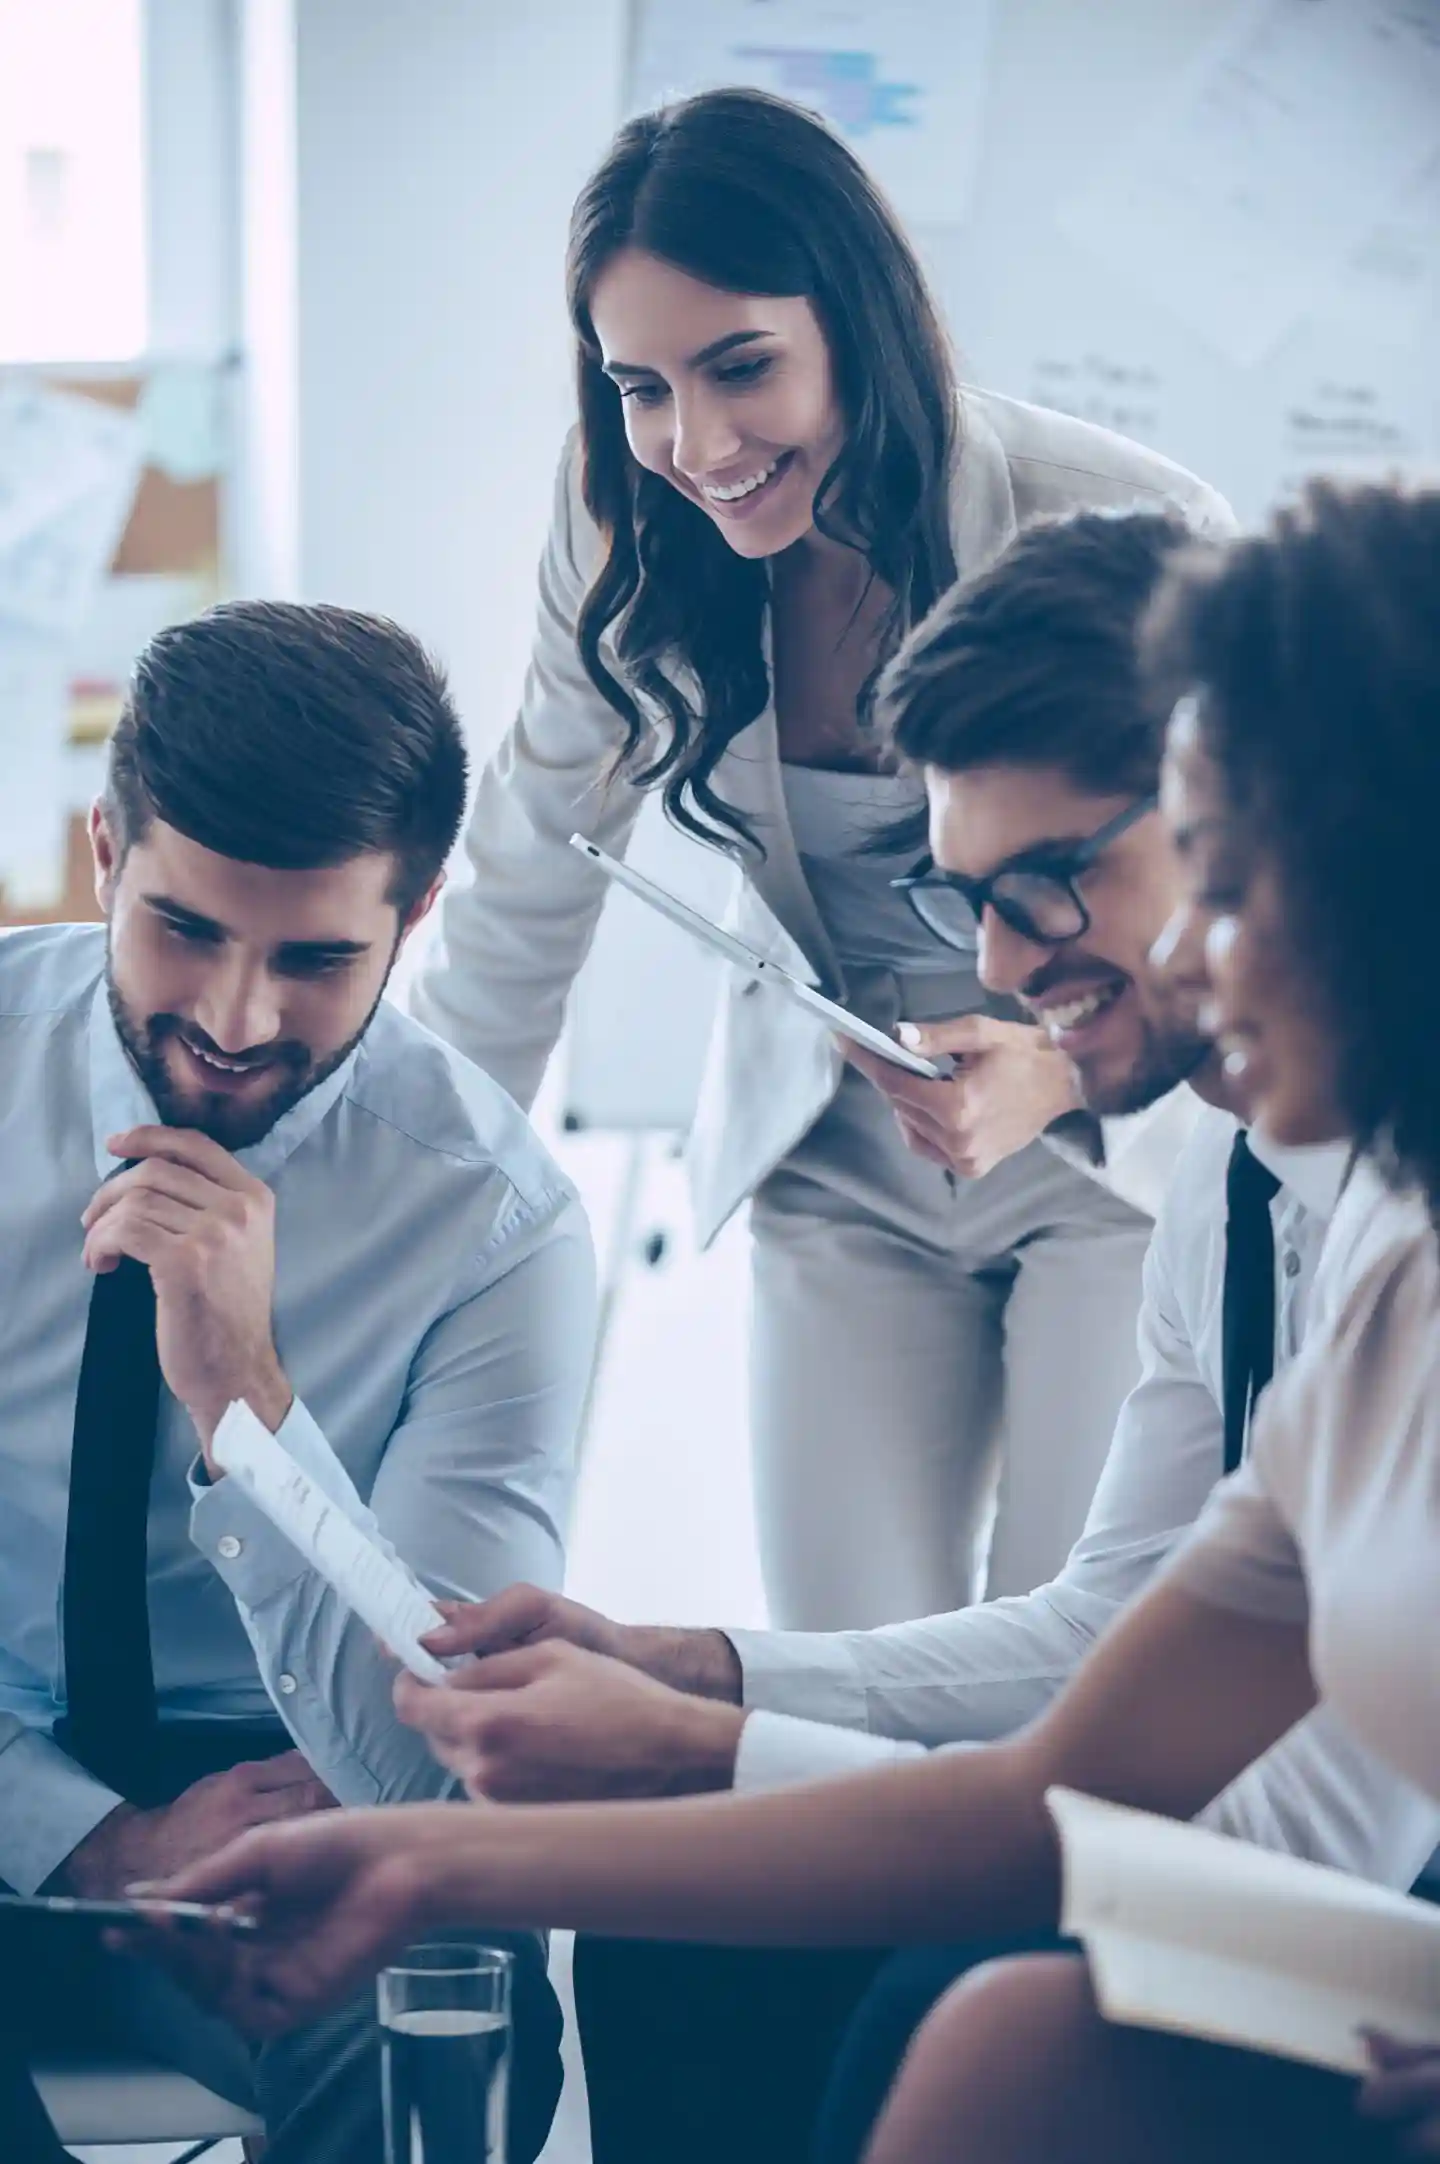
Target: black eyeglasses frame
{"type": "Point", "coordinates": [980, 894]}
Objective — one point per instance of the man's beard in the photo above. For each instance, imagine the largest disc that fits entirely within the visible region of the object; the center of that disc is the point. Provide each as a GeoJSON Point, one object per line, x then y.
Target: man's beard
{"type": "Point", "coordinates": [234, 1126]}
{"type": "Point", "coordinates": [1168, 1057]}
{"type": "Point", "coordinates": [1172, 1046]}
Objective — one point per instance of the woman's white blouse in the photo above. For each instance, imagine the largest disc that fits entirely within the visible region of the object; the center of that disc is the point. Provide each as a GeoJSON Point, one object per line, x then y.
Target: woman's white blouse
{"type": "Point", "coordinates": [1334, 1519]}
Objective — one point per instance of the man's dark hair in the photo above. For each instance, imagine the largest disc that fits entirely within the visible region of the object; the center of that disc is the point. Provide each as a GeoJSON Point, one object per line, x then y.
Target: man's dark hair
{"type": "Point", "coordinates": [1032, 662]}
{"type": "Point", "coordinates": [1313, 651]}
{"type": "Point", "coordinates": [294, 737]}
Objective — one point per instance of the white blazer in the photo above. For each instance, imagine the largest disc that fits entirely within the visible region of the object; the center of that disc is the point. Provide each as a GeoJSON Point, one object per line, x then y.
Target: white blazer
{"type": "Point", "coordinates": [513, 940]}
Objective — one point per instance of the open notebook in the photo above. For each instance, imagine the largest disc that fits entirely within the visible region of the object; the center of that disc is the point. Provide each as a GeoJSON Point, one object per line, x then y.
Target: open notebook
{"type": "Point", "coordinates": [1191, 1931]}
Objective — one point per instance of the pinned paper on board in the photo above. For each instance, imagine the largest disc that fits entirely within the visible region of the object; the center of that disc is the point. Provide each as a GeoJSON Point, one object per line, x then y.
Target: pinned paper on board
{"type": "Point", "coordinates": [56, 448]}
{"type": "Point", "coordinates": [1110, 389]}
{"type": "Point", "coordinates": [181, 420]}
{"type": "Point", "coordinates": [68, 472]}
{"type": "Point", "coordinates": [48, 576]}
{"type": "Point", "coordinates": [1355, 415]}
{"type": "Point", "coordinates": [34, 705]}
{"type": "Point", "coordinates": [902, 81]}
{"type": "Point", "coordinates": [1277, 156]}
{"type": "Point", "coordinates": [1391, 282]}
{"type": "Point", "coordinates": [109, 530]}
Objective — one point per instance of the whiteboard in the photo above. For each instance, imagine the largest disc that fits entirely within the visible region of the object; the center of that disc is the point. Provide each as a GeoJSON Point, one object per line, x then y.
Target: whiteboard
{"type": "Point", "coordinates": [1352, 386]}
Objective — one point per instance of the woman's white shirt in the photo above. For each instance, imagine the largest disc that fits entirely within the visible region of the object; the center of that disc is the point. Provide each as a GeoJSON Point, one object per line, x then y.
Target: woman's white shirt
{"type": "Point", "coordinates": [1334, 1519]}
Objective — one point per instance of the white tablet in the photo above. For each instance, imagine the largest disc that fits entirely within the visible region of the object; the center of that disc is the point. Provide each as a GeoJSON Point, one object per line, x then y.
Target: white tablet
{"type": "Point", "coordinates": [113, 1915]}
{"type": "Point", "coordinates": [734, 950]}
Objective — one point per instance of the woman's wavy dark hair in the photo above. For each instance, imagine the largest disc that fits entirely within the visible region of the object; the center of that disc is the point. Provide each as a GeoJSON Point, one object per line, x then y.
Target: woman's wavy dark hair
{"type": "Point", "coordinates": [750, 194]}
{"type": "Point", "coordinates": [1314, 653]}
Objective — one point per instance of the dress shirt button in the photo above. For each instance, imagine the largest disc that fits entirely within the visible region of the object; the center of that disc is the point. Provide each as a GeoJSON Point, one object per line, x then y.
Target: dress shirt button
{"type": "Point", "coordinates": [229, 1545]}
{"type": "Point", "coordinates": [288, 1686]}
{"type": "Point", "coordinates": [1292, 1264]}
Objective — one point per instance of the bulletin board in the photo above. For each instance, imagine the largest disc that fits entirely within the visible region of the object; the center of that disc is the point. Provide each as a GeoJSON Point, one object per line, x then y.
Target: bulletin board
{"type": "Point", "coordinates": [60, 693]}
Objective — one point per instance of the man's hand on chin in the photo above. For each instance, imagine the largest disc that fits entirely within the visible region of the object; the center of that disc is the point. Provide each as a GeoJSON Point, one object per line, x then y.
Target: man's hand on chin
{"type": "Point", "coordinates": [205, 1230]}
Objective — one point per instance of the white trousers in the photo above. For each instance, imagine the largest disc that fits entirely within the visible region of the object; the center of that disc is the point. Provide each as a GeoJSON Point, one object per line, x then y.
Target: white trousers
{"type": "Point", "coordinates": [930, 1359]}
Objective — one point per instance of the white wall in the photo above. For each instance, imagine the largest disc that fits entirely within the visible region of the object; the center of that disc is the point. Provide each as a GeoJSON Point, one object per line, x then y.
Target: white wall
{"type": "Point", "coordinates": [192, 179]}
{"type": "Point", "coordinates": [439, 148]}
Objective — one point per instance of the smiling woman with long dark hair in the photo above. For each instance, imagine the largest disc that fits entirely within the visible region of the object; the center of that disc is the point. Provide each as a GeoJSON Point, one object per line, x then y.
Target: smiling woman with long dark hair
{"type": "Point", "coordinates": [774, 476]}
{"type": "Point", "coordinates": [866, 385]}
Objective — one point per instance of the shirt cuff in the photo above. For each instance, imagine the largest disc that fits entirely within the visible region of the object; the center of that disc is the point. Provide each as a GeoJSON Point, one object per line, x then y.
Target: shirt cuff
{"type": "Point", "coordinates": [778, 1751]}
{"type": "Point", "coordinates": [811, 1674]}
{"type": "Point", "coordinates": [48, 1806]}
{"type": "Point", "coordinates": [251, 1555]}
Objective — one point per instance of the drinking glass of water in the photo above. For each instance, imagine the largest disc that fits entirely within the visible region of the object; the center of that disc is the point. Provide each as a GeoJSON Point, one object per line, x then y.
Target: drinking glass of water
{"type": "Point", "coordinates": [445, 2066]}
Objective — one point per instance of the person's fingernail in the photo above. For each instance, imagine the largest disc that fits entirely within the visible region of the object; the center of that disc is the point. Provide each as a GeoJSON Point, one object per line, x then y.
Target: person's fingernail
{"type": "Point", "coordinates": [908, 1034]}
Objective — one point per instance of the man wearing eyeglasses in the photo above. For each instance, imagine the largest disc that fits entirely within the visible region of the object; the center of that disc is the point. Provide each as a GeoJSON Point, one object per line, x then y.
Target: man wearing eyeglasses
{"type": "Point", "coordinates": [1036, 896]}
{"type": "Point", "coordinates": [1041, 758]}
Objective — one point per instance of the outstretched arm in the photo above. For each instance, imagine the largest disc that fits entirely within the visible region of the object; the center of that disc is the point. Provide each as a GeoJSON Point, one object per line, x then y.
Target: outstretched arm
{"type": "Point", "coordinates": [950, 1846]}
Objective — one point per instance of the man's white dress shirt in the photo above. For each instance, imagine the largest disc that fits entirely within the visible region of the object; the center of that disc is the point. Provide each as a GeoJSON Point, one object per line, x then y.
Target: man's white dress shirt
{"type": "Point", "coordinates": [830, 1703]}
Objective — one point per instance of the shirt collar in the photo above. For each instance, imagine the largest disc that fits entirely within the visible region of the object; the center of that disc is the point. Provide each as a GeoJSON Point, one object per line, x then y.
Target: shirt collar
{"type": "Point", "coordinates": [1314, 1175]}
{"type": "Point", "coordinates": [119, 1100]}
{"type": "Point", "coordinates": [1142, 1148]}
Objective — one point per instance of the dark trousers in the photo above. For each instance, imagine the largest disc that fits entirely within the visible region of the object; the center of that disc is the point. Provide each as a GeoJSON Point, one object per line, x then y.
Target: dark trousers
{"type": "Point", "coordinates": [710, 2053]}
{"type": "Point", "coordinates": [878, 2035]}
{"type": "Point", "coordinates": [706, 2054]}
{"type": "Point", "coordinates": [26, 2135]}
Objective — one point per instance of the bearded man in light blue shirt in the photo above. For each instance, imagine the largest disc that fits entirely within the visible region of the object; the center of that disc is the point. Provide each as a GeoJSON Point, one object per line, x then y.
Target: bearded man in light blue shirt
{"type": "Point", "coordinates": [327, 1213]}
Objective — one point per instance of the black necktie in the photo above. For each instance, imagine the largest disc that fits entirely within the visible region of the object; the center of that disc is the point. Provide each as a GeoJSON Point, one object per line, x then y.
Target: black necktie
{"type": "Point", "coordinates": [1247, 1309]}
{"type": "Point", "coordinates": [111, 1724]}
{"type": "Point", "coordinates": [109, 1681]}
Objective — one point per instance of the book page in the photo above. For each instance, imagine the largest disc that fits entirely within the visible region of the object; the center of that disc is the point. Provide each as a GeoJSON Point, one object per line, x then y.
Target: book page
{"type": "Point", "coordinates": [1188, 1930]}
{"type": "Point", "coordinates": [382, 1592]}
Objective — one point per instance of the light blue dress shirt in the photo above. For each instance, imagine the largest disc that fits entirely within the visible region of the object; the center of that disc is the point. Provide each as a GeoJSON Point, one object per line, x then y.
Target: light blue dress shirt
{"type": "Point", "coordinates": [434, 1311]}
